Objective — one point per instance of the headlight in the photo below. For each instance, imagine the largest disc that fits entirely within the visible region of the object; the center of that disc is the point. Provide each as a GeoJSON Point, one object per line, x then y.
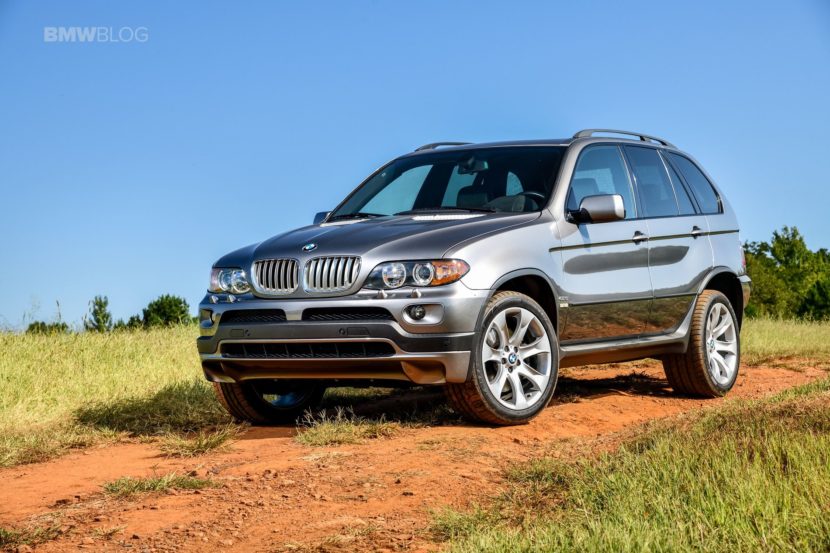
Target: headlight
{"type": "Point", "coordinates": [416, 273]}
{"type": "Point", "coordinates": [232, 281]}
{"type": "Point", "coordinates": [393, 275]}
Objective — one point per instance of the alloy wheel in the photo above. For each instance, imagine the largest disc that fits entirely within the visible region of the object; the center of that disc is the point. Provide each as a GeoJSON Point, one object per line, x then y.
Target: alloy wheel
{"type": "Point", "coordinates": [516, 354]}
{"type": "Point", "coordinates": [721, 344]}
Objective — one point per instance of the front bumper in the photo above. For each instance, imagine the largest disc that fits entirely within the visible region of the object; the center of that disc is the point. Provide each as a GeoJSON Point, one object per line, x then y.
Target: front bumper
{"type": "Point", "coordinates": [433, 351]}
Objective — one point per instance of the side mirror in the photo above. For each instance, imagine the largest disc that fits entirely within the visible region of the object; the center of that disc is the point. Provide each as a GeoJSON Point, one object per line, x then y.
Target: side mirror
{"type": "Point", "coordinates": [320, 217]}
{"type": "Point", "coordinates": [600, 209]}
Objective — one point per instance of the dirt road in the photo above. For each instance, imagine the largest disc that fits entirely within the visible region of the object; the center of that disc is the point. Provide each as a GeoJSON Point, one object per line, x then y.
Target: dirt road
{"type": "Point", "coordinates": [277, 495]}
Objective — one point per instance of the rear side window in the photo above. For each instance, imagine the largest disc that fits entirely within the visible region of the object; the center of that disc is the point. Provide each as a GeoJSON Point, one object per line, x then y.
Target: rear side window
{"type": "Point", "coordinates": [656, 192]}
{"type": "Point", "coordinates": [601, 170]}
{"type": "Point", "coordinates": [683, 199]}
{"type": "Point", "coordinates": [705, 194]}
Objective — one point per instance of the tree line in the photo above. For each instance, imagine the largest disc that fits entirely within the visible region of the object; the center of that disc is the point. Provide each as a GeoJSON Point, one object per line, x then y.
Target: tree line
{"type": "Point", "coordinates": [166, 310]}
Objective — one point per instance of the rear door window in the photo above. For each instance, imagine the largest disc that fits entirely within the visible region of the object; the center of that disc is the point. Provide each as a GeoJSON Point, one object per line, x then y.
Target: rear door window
{"type": "Point", "coordinates": [653, 184]}
{"type": "Point", "coordinates": [703, 190]}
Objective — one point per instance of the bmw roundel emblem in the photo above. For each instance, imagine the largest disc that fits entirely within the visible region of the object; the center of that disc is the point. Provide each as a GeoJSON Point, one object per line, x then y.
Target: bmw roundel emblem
{"type": "Point", "coordinates": [310, 247]}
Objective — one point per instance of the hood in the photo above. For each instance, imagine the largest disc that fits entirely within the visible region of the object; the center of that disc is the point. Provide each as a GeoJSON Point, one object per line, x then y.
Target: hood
{"type": "Point", "coordinates": [426, 236]}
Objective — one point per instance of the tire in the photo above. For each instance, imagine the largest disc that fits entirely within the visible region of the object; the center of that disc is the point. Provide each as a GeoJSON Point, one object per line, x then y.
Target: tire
{"type": "Point", "coordinates": [265, 402]}
{"type": "Point", "coordinates": [530, 363]}
{"type": "Point", "coordinates": [710, 365]}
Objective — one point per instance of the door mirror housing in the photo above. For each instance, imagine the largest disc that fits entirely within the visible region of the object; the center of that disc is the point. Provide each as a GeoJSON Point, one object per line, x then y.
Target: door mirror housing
{"type": "Point", "coordinates": [320, 217]}
{"type": "Point", "coordinates": [600, 209]}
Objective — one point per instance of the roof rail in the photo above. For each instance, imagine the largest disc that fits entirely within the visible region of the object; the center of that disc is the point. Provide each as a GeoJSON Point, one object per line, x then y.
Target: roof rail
{"type": "Point", "coordinates": [434, 145]}
{"type": "Point", "coordinates": [643, 137]}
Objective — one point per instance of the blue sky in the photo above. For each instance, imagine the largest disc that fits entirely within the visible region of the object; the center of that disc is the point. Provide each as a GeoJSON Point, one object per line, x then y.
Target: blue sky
{"type": "Point", "coordinates": [127, 168]}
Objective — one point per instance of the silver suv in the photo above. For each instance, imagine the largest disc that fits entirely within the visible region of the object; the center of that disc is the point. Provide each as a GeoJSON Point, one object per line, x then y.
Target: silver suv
{"type": "Point", "coordinates": [484, 268]}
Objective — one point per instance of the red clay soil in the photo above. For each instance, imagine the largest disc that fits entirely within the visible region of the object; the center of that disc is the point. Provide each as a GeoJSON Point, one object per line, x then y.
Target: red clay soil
{"type": "Point", "coordinates": [278, 495]}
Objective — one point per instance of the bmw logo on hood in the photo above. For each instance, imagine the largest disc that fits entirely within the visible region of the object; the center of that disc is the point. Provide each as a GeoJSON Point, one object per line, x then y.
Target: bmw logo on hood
{"type": "Point", "coordinates": [310, 247]}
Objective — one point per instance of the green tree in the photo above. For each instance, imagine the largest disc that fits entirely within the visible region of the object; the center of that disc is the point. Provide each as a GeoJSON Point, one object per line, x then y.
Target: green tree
{"type": "Point", "coordinates": [99, 319]}
{"type": "Point", "coordinates": [816, 303]}
{"type": "Point", "coordinates": [133, 323]}
{"type": "Point", "coordinates": [167, 310]}
{"type": "Point", "coordinates": [788, 279]}
{"type": "Point", "coordinates": [771, 295]}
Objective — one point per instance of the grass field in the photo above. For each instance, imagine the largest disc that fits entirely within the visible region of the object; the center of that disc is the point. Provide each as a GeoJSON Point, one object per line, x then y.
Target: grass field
{"type": "Point", "coordinates": [69, 390]}
{"type": "Point", "coordinates": [72, 390]}
{"type": "Point", "coordinates": [757, 479]}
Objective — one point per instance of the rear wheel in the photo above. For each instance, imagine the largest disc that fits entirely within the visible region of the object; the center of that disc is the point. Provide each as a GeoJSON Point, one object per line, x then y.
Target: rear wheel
{"type": "Point", "coordinates": [268, 401]}
{"type": "Point", "coordinates": [514, 366]}
{"type": "Point", "coordinates": [709, 367]}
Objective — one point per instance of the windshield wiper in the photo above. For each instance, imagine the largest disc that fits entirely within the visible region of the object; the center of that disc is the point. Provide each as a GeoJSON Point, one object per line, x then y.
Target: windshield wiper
{"type": "Point", "coordinates": [447, 208]}
{"type": "Point", "coordinates": [357, 215]}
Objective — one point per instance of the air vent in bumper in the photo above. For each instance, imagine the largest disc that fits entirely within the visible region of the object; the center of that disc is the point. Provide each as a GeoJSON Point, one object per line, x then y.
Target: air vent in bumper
{"type": "Point", "coordinates": [347, 314]}
{"type": "Point", "coordinates": [315, 350]}
{"type": "Point", "coordinates": [247, 316]}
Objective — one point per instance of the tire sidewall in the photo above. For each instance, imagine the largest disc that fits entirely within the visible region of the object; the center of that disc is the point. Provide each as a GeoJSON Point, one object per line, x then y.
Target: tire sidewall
{"type": "Point", "coordinates": [714, 385]}
{"type": "Point", "coordinates": [477, 367]}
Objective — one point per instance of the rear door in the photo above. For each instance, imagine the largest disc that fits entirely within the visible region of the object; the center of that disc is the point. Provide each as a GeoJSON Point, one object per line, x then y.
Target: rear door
{"type": "Point", "coordinates": [605, 278]}
{"type": "Point", "coordinates": [679, 251]}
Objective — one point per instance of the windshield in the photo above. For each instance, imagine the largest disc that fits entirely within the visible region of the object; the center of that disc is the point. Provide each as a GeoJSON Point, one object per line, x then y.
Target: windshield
{"type": "Point", "coordinates": [504, 179]}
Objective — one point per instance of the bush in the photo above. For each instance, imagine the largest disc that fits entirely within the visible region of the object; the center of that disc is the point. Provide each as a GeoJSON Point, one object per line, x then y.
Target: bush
{"type": "Point", "coordinates": [133, 323]}
{"type": "Point", "coordinates": [40, 327]}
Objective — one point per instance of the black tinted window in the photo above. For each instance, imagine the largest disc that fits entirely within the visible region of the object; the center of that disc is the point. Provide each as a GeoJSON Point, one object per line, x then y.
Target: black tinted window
{"type": "Point", "coordinates": [601, 170]}
{"type": "Point", "coordinates": [656, 193]}
{"type": "Point", "coordinates": [706, 196]}
{"type": "Point", "coordinates": [683, 199]}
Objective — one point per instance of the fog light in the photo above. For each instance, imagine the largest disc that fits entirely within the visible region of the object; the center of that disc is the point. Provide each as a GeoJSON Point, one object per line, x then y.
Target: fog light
{"type": "Point", "coordinates": [417, 312]}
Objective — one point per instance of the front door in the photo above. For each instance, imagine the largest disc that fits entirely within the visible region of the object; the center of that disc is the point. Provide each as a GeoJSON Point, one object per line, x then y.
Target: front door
{"type": "Point", "coordinates": [605, 277]}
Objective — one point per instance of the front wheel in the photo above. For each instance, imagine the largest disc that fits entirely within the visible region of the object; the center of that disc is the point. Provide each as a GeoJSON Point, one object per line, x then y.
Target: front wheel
{"type": "Point", "coordinates": [514, 365]}
{"type": "Point", "coordinates": [268, 401]}
{"type": "Point", "coordinates": [709, 367]}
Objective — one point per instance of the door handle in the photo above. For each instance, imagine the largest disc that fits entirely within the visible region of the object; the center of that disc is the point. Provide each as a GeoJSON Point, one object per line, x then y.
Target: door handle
{"type": "Point", "coordinates": [696, 231]}
{"type": "Point", "coordinates": [639, 237]}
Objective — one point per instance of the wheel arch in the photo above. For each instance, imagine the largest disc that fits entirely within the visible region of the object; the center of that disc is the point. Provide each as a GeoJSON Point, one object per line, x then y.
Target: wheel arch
{"type": "Point", "coordinates": [532, 283]}
{"type": "Point", "coordinates": [725, 281]}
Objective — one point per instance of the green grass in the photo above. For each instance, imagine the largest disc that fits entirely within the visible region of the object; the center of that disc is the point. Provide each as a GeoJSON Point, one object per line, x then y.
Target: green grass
{"type": "Point", "coordinates": [11, 539]}
{"type": "Point", "coordinates": [342, 427]}
{"type": "Point", "coordinates": [128, 486]}
{"type": "Point", "coordinates": [64, 391]}
{"type": "Point", "coordinates": [749, 476]}
{"type": "Point", "coordinates": [199, 443]}
{"type": "Point", "coordinates": [764, 340]}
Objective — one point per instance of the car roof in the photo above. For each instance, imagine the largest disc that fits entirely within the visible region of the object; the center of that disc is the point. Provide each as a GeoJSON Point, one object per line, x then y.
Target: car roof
{"type": "Point", "coordinates": [461, 146]}
{"type": "Point", "coordinates": [582, 136]}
